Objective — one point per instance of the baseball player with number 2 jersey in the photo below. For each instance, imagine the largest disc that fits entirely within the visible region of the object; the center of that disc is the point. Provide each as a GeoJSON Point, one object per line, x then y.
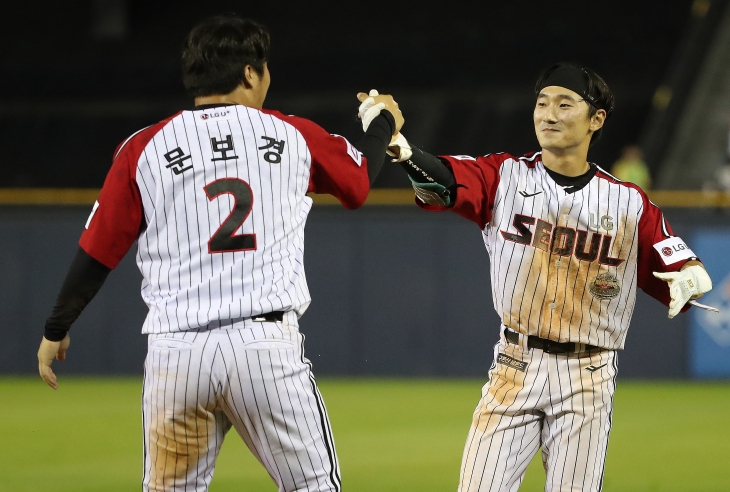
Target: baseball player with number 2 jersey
{"type": "Point", "coordinates": [569, 244]}
{"type": "Point", "coordinates": [216, 198]}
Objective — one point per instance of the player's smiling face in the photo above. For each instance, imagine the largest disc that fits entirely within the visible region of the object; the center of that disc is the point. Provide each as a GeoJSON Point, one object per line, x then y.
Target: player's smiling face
{"type": "Point", "coordinates": [562, 119]}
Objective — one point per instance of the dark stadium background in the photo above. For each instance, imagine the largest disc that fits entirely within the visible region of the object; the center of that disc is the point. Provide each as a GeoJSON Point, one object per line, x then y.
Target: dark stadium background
{"type": "Point", "coordinates": [395, 291]}
{"type": "Point", "coordinates": [401, 327]}
{"type": "Point", "coordinates": [78, 77]}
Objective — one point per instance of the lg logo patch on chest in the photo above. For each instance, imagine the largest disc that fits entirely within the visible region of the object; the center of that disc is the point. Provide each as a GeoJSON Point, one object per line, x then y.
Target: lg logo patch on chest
{"type": "Point", "coordinates": [510, 362]}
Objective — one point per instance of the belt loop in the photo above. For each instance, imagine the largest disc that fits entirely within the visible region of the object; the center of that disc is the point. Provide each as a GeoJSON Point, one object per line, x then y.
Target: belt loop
{"type": "Point", "coordinates": [523, 343]}
{"type": "Point", "coordinates": [290, 320]}
{"type": "Point", "coordinates": [510, 336]}
{"type": "Point", "coordinates": [521, 339]}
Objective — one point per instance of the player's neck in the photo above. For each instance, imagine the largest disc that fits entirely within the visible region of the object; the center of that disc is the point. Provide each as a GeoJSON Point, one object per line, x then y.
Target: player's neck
{"type": "Point", "coordinates": [241, 95]}
{"type": "Point", "coordinates": [568, 162]}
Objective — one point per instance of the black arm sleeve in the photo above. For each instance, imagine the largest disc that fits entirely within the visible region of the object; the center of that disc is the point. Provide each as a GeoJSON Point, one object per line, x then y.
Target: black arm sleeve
{"type": "Point", "coordinates": [83, 281]}
{"type": "Point", "coordinates": [375, 142]}
{"type": "Point", "coordinates": [425, 168]}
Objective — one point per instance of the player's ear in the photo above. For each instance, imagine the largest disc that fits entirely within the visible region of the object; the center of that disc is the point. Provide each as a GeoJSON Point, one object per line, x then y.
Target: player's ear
{"type": "Point", "coordinates": [251, 77]}
{"type": "Point", "coordinates": [597, 120]}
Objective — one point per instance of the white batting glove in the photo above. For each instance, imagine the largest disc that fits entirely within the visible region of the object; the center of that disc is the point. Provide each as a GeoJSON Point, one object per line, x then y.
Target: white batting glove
{"type": "Point", "coordinates": [368, 110]}
{"type": "Point", "coordinates": [399, 149]}
{"type": "Point", "coordinates": [689, 283]}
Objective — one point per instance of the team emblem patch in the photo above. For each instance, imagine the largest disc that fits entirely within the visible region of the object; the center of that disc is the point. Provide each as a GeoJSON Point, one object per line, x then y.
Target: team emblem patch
{"type": "Point", "coordinates": [605, 286]}
{"type": "Point", "coordinates": [355, 154]}
{"type": "Point", "coordinates": [511, 362]}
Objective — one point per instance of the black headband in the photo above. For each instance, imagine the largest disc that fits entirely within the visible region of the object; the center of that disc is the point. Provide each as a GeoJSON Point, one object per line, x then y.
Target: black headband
{"type": "Point", "coordinates": [572, 78]}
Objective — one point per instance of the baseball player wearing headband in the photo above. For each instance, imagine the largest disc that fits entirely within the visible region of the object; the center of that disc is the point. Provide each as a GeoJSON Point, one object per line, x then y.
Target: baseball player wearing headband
{"type": "Point", "coordinates": [216, 199]}
{"type": "Point", "coordinates": [569, 244]}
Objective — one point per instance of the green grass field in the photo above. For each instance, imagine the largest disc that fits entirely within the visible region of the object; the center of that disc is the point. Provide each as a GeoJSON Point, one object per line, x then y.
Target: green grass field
{"type": "Point", "coordinates": [391, 435]}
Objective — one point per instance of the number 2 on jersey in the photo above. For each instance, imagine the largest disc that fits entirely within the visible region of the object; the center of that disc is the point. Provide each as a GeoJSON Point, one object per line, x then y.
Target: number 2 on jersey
{"type": "Point", "coordinates": [224, 240]}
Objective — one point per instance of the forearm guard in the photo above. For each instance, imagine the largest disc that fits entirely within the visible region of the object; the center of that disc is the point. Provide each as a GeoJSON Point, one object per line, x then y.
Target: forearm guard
{"type": "Point", "coordinates": [432, 180]}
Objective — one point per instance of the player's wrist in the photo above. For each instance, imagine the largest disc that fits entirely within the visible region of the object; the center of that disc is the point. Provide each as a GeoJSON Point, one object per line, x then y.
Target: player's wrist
{"type": "Point", "coordinates": [702, 280]}
{"type": "Point", "coordinates": [390, 120]}
{"type": "Point", "coordinates": [399, 149]}
{"type": "Point", "coordinates": [54, 333]}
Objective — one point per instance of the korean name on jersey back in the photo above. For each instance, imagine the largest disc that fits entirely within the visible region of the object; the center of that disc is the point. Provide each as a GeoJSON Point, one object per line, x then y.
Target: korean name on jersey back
{"type": "Point", "coordinates": [225, 206]}
{"type": "Point", "coordinates": [216, 199]}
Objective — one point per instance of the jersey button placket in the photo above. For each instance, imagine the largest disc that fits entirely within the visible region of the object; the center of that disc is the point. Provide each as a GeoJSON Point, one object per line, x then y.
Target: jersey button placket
{"type": "Point", "coordinates": [556, 263]}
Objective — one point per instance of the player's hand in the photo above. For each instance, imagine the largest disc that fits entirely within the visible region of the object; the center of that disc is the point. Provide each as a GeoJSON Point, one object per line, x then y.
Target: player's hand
{"type": "Point", "coordinates": [369, 109]}
{"type": "Point", "coordinates": [399, 149]}
{"type": "Point", "coordinates": [373, 103]}
{"type": "Point", "coordinates": [46, 353]}
{"type": "Point", "coordinates": [690, 283]}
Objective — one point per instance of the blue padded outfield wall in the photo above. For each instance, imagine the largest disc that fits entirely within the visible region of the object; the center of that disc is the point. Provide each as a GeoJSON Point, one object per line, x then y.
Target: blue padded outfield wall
{"type": "Point", "coordinates": [396, 292]}
{"type": "Point", "coordinates": [710, 332]}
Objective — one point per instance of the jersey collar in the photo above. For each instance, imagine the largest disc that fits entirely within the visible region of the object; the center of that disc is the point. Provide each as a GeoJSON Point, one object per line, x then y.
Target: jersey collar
{"type": "Point", "coordinates": [212, 105]}
{"type": "Point", "coordinates": [571, 184]}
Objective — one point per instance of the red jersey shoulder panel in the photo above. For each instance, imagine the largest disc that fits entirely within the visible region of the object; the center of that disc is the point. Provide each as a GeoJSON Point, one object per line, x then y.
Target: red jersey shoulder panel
{"type": "Point", "coordinates": [117, 217]}
{"type": "Point", "coordinates": [338, 168]}
{"type": "Point", "coordinates": [477, 179]}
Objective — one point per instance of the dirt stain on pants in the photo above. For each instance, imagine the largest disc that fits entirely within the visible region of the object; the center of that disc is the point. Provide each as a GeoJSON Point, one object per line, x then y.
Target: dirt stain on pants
{"type": "Point", "coordinates": [176, 443]}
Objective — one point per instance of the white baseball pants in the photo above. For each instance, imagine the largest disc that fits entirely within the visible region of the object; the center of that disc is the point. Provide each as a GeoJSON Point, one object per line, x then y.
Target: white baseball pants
{"type": "Point", "coordinates": [249, 375]}
{"type": "Point", "coordinates": [533, 399]}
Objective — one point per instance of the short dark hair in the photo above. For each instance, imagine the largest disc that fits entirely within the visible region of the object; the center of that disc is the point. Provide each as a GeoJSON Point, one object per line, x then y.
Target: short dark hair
{"type": "Point", "coordinates": [597, 88]}
{"type": "Point", "coordinates": [216, 52]}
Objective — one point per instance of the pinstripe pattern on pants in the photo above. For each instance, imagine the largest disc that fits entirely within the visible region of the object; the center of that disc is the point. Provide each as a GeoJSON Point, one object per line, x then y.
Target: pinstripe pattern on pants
{"type": "Point", "coordinates": [550, 401]}
{"type": "Point", "coordinates": [252, 376]}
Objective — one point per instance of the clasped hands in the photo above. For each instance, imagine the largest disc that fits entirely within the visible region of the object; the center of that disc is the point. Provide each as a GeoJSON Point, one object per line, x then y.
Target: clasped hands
{"type": "Point", "coordinates": [370, 107]}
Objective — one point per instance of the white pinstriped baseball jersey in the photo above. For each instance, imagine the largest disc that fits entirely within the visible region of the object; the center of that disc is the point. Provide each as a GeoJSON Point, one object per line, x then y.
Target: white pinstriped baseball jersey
{"type": "Point", "coordinates": [217, 199]}
{"type": "Point", "coordinates": [565, 266]}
